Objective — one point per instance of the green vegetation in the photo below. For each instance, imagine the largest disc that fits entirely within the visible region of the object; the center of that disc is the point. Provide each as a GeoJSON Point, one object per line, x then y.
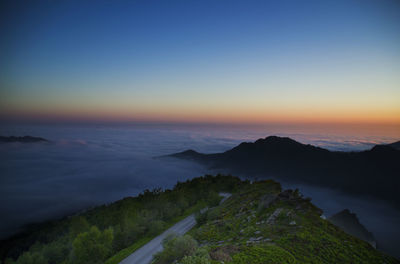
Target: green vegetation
{"type": "Point", "coordinates": [109, 233]}
{"type": "Point", "coordinates": [92, 246]}
{"type": "Point", "coordinates": [183, 249]}
{"type": "Point", "coordinates": [263, 224]}
{"type": "Point", "coordinates": [259, 223]}
{"type": "Point", "coordinates": [141, 242]}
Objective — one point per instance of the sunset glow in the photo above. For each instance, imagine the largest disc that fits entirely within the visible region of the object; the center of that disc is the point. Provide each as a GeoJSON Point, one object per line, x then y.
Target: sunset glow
{"type": "Point", "coordinates": [236, 66]}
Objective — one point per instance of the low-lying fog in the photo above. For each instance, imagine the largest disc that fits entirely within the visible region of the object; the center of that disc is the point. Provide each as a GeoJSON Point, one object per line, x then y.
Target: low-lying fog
{"type": "Point", "coordinates": [85, 166]}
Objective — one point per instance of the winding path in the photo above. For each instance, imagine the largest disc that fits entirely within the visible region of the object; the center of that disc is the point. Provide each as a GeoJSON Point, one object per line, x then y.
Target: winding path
{"type": "Point", "coordinates": [144, 255]}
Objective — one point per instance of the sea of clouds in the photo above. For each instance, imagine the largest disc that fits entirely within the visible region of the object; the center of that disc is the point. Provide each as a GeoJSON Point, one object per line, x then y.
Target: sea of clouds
{"type": "Point", "coordinates": [84, 166]}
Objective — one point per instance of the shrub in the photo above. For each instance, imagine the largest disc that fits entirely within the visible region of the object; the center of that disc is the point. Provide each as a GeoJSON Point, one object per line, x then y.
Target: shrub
{"type": "Point", "coordinates": [175, 248]}
{"type": "Point", "coordinates": [28, 258]}
{"type": "Point", "coordinates": [92, 246]}
{"type": "Point", "coordinates": [195, 260]}
{"type": "Point", "coordinates": [264, 255]}
{"type": "Point", "coordinates": [155, 227]}
{"type": "Point", "coordinates": [201, 218]}
{"type": "Point", "coordinates": [170, 210]}
{"type": "Point", "coordinates": [213, 214]}
{"type": "Point", "coordinates": [213, 199]}
{"type": "Point", "coordinates": [78, 225]}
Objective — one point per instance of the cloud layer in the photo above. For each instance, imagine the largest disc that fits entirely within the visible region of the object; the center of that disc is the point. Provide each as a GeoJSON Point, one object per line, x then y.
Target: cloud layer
{"type": "Point", "coordinates": [85, 166]}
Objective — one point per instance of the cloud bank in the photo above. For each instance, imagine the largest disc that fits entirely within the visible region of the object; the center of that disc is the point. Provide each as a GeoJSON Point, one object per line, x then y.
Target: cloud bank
{"type": "Point", "coordinates": [85, 166]}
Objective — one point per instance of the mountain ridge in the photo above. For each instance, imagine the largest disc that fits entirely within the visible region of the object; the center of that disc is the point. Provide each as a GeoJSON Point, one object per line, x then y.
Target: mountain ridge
{"type": "Point", "coordinates": [371, 172]}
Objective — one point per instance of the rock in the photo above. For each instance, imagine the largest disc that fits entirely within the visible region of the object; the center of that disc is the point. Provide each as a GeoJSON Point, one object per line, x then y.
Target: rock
{"type": "Point", "coordinates": [254, 239]}
{"type": "Point", "coordinates": [266, 201]}
{"type": "Point", "coordinates": [292, 223]}
{"type": "Point", "coordinates": [202, 211]}
{"type": "Point", "coordinates": [275, 214]}
{"type": "Point", "coordinates": [257, 232]}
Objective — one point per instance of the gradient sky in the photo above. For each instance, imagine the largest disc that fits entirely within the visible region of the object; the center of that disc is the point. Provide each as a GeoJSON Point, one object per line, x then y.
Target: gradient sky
{"type": "Point", "coordinates": [201, 61]}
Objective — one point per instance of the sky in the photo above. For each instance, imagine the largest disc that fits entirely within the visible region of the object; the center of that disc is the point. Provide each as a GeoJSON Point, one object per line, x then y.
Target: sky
{"type": "Point", "coordinates": [201, 61]}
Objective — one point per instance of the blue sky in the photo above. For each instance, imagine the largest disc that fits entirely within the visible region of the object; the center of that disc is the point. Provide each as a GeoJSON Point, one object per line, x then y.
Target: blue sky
{"type": "Point", "coordinates": [201, 60]}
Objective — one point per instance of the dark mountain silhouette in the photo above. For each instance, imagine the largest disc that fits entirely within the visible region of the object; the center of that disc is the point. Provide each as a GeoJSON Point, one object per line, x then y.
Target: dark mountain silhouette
{"type": "Point", "coordinates": [349, 223]}
{"type": "Point", "coordinates": [395, 145]}
{"type": "Point", "coordinates": [374, 172]}
{"type": "Point", "coordinates": [24, 139]}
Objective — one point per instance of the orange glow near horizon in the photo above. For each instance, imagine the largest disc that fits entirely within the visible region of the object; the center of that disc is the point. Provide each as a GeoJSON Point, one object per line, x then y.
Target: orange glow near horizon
{"type": "Point", "coordinates": [211, 115]}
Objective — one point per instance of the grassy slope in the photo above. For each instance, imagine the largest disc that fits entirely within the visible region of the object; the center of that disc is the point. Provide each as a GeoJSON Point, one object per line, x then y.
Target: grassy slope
{"type": "Point", "coordinates": [138, 244]}
{"type": "Point", "coordinates": [52, 241]}
{"type": "Point", "coordinates": [311, 239]}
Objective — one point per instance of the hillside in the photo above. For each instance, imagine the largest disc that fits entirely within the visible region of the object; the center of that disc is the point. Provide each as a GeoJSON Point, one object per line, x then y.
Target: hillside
{"type": "Point", "coordinates": [373, 172]}
{"type": "Point", "coordinates": [259, 223]}
{"type": "Point", "coordinates": [263, 224]}
{"type": "Point", "coordinates": [116, 229]}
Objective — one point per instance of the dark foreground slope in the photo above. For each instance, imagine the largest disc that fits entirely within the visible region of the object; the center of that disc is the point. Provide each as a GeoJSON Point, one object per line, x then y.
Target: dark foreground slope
{"type": "Point", "coordinates": [262, 224]}
{"type": "Point", "coordinates": [258, 224]}
{"type": "Point", "coordinates": [94, 236]}
{"type": "Point", "coordinates": [373, 172]}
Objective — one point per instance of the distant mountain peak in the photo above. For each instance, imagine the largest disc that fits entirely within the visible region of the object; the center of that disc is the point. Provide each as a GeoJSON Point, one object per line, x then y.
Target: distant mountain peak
{"type": "Point", "coordinates": [187, 154]}
{"type": "Point", "coordinates": [24, 139]}
{"type": "Point", "coordinates": [189, 151]}
{"type": "Point", "coordinates": [353, 172]}
{"type": "Point", "coordinates": [273, 144]}
{"type": "Point", "coordinates": [275, 139]}
{"type": "Point", "coordinates": [383, 148]}
{"type": "Point", "coordinates": [395, 145]}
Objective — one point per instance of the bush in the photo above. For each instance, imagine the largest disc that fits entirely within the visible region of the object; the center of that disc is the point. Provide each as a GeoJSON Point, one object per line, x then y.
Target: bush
{"type": "Point", "coordinates": [155, 227]}
{"type": "Point", "coordinates": [78, 225]}
{"type": "Point", "coordinates": [56, 252]}
{"type": "Point", "coordinates": [264, 255]}
{"type": "Point", "coordinates": [92, 246]}
{"type": "Point", "coordinates": [213, 199]}
{"type": "Point", "coordinates": [213, 214]}
{"type": "Point", "coordinates": [195, 260]}
{"type": "Point", "coordinates": [175, 248]}
{"type": "Point", "coordinates": [28, 258]}
{"type": "Point", "coordinates": [170, 210]}
{"type": "Point", "coordinates": [201, 218]}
